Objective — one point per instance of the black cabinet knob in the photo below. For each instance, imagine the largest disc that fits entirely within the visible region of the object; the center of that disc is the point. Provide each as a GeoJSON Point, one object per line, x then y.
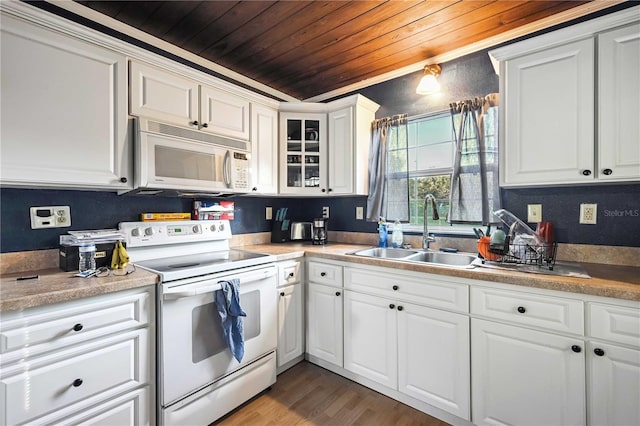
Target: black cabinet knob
{"type": "Point", "coordinates": [598, 351]}
{"type": "Point", "coordinates": [607, 172]}
{"type": "Point", "coordinates": [124, 180]}
{"type": "Point", "coordinates": [576, 348]}
{"type": "Point", "coordinates": [586, 172]}
{"type": "Point", "coordinates": [77, 382]}
{"type": "Point", "coordinates": [77, 327]}
{"type": "Point", "coordinates": [282, 293]}
{"type": "Point", "coordinates": [391, 306]}
{"type": "Point", "coordinates": [395, 287]}
{"type": "Point", "coordinates": [254, 189]}
{"type": "Point", "coordinates": [337, 293]}
{"type": "Point", "coordinates": [330, 190]}
{"type": "Point", "coordinates": [322, 274]}
{"type": "Point", "coordinates": [205, 125]}
{"type": "Point", "coordinates": [195, 123]}
{"type": "Point", "coordinates": [521, 309]}
{"type": "Point", "coordinates": [291, 275]}
{"type": "Point", "coordinates": [324, 190]}
{"type": "Point", "coordinates": [400, 308]}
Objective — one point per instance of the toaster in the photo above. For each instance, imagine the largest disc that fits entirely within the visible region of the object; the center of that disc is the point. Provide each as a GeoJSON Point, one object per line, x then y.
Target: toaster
{"type": "Point", "coordinates": [301, 231]}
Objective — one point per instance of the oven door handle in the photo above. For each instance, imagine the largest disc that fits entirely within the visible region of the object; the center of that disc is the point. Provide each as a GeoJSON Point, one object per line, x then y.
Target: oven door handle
{"type": "Point", "coordinates": [178, 293]}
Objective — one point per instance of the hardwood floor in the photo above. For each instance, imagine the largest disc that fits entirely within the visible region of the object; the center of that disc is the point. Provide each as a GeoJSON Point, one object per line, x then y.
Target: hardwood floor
{"type": "Point", "coordinates": [310, 395]}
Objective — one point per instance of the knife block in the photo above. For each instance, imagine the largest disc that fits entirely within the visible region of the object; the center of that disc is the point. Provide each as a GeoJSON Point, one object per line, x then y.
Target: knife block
{"type": "Point", "coordinates": [280, 232]}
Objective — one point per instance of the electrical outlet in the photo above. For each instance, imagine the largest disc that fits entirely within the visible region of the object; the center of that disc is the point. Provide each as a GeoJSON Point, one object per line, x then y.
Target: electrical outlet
{"type": "Point", "coordinates": [268, 213]}
{"type": "Point", "coordinates": [588, 214]}
{"type": "Point", "coordinates": [534, 213]}
{"type": "Point", "coordinates": [50, 217]}
{"type": "Point", "coordinates": [325, 212]}
{"type": "Point", "coordinates": [359, 213]}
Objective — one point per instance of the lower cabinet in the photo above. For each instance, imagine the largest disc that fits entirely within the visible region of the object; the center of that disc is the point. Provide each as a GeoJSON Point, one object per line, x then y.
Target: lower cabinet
{"type": "Point", "coordinates": [419, 351]}
{"type": "Point", "coordinates": [522, 376]}
{"type": "Point", "coordinates": [290, 315]}
{"type": "Point", "coordinates": [324, 323]}
{"type": "Point", "coordinates": [87, 361]}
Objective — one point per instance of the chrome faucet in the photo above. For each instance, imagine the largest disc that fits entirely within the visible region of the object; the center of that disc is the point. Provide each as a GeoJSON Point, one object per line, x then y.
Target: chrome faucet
{"type": "Point", "coordinates": [426, 238]}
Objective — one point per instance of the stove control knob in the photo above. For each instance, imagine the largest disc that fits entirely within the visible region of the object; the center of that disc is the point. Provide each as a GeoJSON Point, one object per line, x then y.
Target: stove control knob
{"type": "Point", "coordinates": [135, 232]}
{"type": "Point", "coordinates": [148, 231]}
{"type": "Point", "coordinates": [213, 228]}
{"type": "Point", "coordinates": [221, 227]}
{"type": "Point", "coordinates": [196, 229]}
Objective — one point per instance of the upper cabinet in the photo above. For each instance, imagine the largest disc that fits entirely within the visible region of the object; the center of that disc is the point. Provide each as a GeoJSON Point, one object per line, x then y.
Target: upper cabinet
{"type": "Point", "coordinates": [570, 105]}
{"type": "Point", "coordinates": [169, 97]}
{"type": "Point", "coordinates": [64, 111]}
{"type": "Point", "coordinates": [324, 148]}
{"type": "Point", "coordinates": [264, 150]}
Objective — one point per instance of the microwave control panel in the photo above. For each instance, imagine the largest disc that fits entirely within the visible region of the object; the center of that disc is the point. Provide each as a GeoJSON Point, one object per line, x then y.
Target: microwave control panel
{"type": "Point", "coordinates": [240, 170]}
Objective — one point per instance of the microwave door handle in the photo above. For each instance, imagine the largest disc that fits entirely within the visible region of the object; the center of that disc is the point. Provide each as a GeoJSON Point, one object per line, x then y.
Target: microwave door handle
{"type": "Point", "coordinates": [226, 169]}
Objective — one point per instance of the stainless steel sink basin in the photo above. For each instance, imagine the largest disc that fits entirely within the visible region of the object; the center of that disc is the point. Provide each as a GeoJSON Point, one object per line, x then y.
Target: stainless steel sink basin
{"type": "Point", "coordinates": [441, 258]}
{"type": "Point", "coordinates": [386, 253]}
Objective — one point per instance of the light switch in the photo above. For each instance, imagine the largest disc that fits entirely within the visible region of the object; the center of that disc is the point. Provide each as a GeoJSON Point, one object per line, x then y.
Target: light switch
{"type": "Point", "coordinates": [534, 213]}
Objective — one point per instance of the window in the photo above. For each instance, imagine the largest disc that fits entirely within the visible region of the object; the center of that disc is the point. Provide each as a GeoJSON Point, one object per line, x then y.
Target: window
{"type": "Point", "coordinates": [431, 152]}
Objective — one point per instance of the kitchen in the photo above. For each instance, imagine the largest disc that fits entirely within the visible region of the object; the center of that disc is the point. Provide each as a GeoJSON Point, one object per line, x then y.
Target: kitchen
{"type": "Point", "coordinates": [561, 204]}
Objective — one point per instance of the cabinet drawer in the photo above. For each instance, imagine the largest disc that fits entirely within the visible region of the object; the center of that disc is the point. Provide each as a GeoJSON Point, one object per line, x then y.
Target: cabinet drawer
{"type": "Point", "coordinates": [616, 323]}
{"type": "Point", "coordinates": [325, 273]}
{"type": "Point", "coordinates": [84, 374]}
{"type": "Point", "coordinates": [289, 273]}
{"type": "Point", "coordinates": [550, 312]}
{"type": "Point", "coordinates": [428, 290]}
{"type": "Point", "coordinates": [75, 321]}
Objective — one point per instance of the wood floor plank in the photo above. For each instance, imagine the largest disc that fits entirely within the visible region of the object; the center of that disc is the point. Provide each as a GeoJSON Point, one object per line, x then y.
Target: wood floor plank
{"type": "Point", "coordinates": [310, 395]}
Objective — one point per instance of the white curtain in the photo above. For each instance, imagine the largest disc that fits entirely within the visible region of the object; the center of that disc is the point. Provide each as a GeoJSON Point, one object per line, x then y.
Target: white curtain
{"type": "Point", "coordinates": [475, 191]}
{"type": "Point", "coordinates": [388, 170]}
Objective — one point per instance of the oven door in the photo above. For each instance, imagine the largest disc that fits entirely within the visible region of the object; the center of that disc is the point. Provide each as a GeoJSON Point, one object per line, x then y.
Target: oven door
{"type": "Point", "coordinates": [193, 352]}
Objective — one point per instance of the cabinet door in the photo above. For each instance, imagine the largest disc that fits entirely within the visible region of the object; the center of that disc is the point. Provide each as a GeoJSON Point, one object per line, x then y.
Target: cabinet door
{"type": "Point", "coordinates": [162, 95]}
{"type": "Point", "coordinates": [618, 106]}
{"type": "Point", "coordinates": [303, 150]}
{"type": "Point", "coordinates": [341, 161]}
{"type": "Point", "coordinates": [370, 338]}
{"type": "Point", "coordinates": [549, 136]}
{"type": "Point", "coordinates": [324, 327]}
{"type": "Point", "coordinates": [614, 386]}
{"type": "Point", "coordinates": [64, 112]}
{"type": "Point", "coordinates": [290, 323]}
{"type": "Point", "coordinates": [525, 377]}
{"type": "Point", "coordinates": [223, 113]}
{"type": "Point", "coordinates": [433, 358]}
{"type": "Point", "coordinates": [264, 150]}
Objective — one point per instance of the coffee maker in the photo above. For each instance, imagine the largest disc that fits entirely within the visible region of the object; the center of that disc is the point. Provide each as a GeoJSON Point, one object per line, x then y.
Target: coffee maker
{"type": "Point", "coordinates": [319, 235]}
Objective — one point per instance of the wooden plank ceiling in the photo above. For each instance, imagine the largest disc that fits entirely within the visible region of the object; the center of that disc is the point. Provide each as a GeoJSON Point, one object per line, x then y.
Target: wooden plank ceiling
{"type": "Point", "coordinates": [307, 48]}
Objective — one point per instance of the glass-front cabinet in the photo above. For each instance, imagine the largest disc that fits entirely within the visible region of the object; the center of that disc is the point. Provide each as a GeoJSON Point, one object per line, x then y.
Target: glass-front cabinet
{"type": "Point", "coordinates": [303, 153]}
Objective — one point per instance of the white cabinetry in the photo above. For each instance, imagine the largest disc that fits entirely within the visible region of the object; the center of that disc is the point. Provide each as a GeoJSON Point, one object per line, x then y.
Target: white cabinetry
{"type": "Point", "coordinates": [64, 113]}
{"type": "Point", "coordinates": [522, 375]}
{"type": "Point", "coordinates": [89, 360]}
{"type": "Point", "coordinates": [553, 103]}
{"type": "Point", "coordinates": [325, 147]}
{"type": "Point", "coordinates": [172, 98]}
{"type": "Point", "coordinates": [324, 314]}
{"type": "Point", "coordinates": [613, 364]}
{"type": "Point", "coordinates": [619, 104]}
{"type": "Point", "coordinates": [290, 314]}
{"type": "Point", "coordinates": [264, 150]}
{"type": "Point", "coordinates": [420, 351]}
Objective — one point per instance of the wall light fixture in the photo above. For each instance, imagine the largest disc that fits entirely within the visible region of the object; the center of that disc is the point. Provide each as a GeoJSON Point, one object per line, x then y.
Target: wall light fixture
{"type": "Point", "coordinates": [429, 84]}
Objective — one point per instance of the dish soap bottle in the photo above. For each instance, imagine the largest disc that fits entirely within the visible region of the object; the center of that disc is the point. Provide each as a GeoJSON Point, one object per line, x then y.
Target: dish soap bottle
{"type": "Point", "coordinates": [382, 233]}
{"type": "Point", "coordinates": [397, 237]}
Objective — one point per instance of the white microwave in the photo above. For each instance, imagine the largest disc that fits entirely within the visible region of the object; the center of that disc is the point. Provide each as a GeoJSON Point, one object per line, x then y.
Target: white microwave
{"type": "Point", "coordinates": [179, 161]}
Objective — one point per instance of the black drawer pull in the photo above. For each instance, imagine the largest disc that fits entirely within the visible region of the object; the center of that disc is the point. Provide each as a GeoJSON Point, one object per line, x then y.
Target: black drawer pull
{"type": "Point", "coordinates": [391, 306]}
{"type": "Point", "coordinates": [337, 293]}
{"type": "Point", "coordinates": [195, 123]}
{"type": "Point", "coordinates": [586, 172]}
{"type": "Point", "coordinates": [521, 309]}
{"type": "Point", "coordinates": [395, 287]}
{"type": "Point", "coordinates": [124, 180]}
{"type": "Point", "coordinates": [291, 275]}
{"type": "Point", "coordinates": [77, 327]}
{"type": "Point", "coordinates": [282, 293]}
{"type": "Point", "coordinates": [400, 308]}
{"type": "Point", "coordinates": [577, 349]}
{"type": "Point", "coordinates": [77, 382]}
{"type": "Point", "coordinates": [323, 274]}
{"type": "Point", "coordinates": [607, 171]}
{"type": "Point", "coordinates": [598, 351]}
{"type": "Point", "coordinates": [205, 125]}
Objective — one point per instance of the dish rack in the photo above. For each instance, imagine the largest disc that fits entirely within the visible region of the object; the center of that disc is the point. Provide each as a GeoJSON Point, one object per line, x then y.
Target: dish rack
{"type": "Point", "coordinates": [542, 255]}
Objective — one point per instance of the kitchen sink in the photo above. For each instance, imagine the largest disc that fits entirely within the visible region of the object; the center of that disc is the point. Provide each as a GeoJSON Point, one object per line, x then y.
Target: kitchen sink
{"type": "Point", "coordinates": [441, 258]}
{"type": "Point", "coordinates": [430, 257]}
{"type": "Point", "coordinates": [386, 253]}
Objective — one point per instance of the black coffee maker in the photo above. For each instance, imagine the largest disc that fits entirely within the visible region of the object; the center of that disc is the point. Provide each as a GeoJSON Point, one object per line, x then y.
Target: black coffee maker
{"type": "Point", "coordinates": [319, 235]}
